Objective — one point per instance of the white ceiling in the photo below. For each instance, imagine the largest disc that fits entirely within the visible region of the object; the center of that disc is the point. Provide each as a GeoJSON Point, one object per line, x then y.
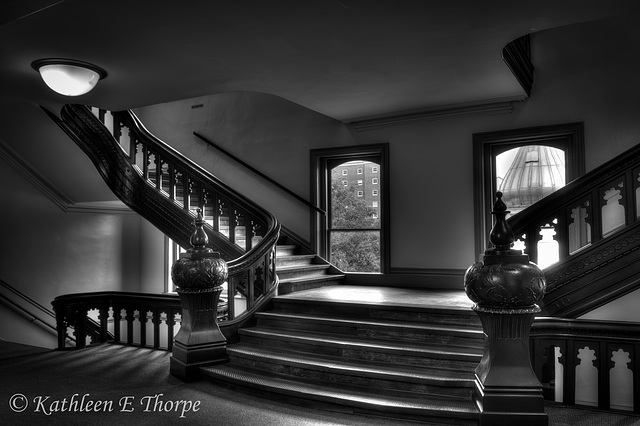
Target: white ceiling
{"type": "Point", "coordinates": [347, 59]}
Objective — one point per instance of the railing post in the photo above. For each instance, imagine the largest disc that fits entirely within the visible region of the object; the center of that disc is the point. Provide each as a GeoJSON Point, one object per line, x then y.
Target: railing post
{"type": "Point", "coordinates": [506, 287]}
{"type": "Point", "coordinates": [198, 275]}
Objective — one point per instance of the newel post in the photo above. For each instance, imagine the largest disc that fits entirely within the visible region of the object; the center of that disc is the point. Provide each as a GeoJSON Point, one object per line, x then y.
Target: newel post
{"type": "Point", "coordinates": [506, 288]}
{"type": "Point", "coordinates": [198, 275]}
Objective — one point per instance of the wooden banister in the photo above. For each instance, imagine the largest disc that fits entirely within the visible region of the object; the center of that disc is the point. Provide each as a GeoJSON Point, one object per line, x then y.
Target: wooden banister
{"type": "Point", "coordinates": [166, 188]}
{"type": "Point", "coordinates": [586, 215]}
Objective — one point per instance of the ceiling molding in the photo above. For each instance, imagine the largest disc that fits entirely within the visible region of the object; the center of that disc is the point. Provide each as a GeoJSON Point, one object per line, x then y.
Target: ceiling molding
{"type": "Point", "coordinates": [489, 107]}
{"type": "Point", "coordinates": [54, 194]}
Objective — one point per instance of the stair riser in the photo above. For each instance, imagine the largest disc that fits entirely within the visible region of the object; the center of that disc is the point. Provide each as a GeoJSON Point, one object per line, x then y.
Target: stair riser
{"type": "Point", "coordinates": [293, 261]}
{"type": "Point", "coordinates": [373, 384]}
{"type": "Point", "coordinates": [373, 312]}
{"type": "Point", "coordinates": [286, 250]}
{"type": "Point", "coordinates": [299, 273]}
{"type": "Point", "coordinates": [377, 355]}
{"type": "Point", "coordinates": [290, 287]}
{"type": "Point", "coordinates": [379, 333]}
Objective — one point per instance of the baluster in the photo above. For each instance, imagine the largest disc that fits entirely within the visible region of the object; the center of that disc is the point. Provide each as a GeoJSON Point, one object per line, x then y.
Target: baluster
{"type": "Point", "coordinates": [80, 327]}
{"type": "Point", "coordinates": [156, 327]}
{"type": "Point", "coordinates": [131, 317]}
{"type": "Point", "coordinates": [240, 230]}
{"type": "Point", "coordinates": [208, 207]}
{"type": "Point", "coordinates": [104, 323]}
{"type": "Point", "coordinates": [223, 218]}
{"type": "Point", "coordinates": [178, 187]}
{"type": "Point", "coordinates": [187, 188]}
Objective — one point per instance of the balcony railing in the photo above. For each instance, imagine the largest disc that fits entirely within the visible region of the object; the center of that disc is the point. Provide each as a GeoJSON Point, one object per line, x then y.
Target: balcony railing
{"type": "Point", "coordinates": [589, 363]}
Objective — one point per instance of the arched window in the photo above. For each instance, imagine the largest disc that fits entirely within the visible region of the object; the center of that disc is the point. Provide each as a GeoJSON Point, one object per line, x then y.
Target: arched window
{"type": "Point", "coordinates": [526, 164]}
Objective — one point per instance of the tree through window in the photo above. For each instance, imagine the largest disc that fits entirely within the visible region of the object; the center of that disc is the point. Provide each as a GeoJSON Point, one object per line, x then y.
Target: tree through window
{"type": "Point", "coordinates": [354, 232]}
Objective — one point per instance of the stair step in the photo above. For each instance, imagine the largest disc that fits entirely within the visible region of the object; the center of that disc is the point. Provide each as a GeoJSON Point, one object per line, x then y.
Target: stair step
{"type": "Point", "coordinates": [397, 379]}
{"type": "Point", "coordinates": [379, 330]}
{"type": "Point", "coordinates": [355, 349]}
{"type": "Point", "coordinates": [295, 271]}
{"type": "Point", "coordinates": [376, 311]}
{"type": "Point", "coordinates": [295, 284]}
{"type": "Point", "coordinates": [441, 411]}
{"type": "Point", "coordinates": [294, 260]}
{"type": "Point", "coordinates": [286, 249]}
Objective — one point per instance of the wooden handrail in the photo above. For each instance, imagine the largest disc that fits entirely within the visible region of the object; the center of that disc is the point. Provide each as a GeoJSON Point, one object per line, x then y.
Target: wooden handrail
{"type": "Point", "coordinates": [26, 298]}
{"type": "Point", "coordinates": [262, 175]}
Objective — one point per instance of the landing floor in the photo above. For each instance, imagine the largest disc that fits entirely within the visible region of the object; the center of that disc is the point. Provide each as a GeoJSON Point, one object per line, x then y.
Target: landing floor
{"type": "Point", "coordinates": [447, 299]}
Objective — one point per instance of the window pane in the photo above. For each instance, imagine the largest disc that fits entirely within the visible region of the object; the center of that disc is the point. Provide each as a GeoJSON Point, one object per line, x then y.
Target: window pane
{"type": "Point", "coordinates": [529, 173]}
{"type": "Point", "coordinates": [356, 251]}
{"type": "Point", "coordinates": [352, 206]}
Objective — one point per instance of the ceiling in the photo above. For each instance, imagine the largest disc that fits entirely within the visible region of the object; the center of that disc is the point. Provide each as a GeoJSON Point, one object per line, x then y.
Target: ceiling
{"type": "Point", "coordinates": [347, 59]}
{"type": "Point", "coordinates": [344, 58]}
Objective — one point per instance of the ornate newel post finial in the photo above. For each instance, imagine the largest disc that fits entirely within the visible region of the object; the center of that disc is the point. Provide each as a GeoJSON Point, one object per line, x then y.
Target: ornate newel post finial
{"type": "Point", "coordinates": [198, 275]}
{"type": "Point", "coordinates": [506, 288]}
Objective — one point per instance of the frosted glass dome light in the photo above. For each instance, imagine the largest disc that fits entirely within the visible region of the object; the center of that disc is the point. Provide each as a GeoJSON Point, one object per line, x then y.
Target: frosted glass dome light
{"type": "Point", "coordinates": [69, 77]}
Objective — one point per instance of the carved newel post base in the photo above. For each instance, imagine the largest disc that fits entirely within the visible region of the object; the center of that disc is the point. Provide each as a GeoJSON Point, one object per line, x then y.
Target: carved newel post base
{"type": "Point", "coordinates": [506, 288]}
{"type": "Point", "coordinates": [198, 275]}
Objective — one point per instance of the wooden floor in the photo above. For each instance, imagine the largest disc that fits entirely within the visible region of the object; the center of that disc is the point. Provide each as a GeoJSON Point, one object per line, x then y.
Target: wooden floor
{"type": "Point", "coordinates": [446, 299]}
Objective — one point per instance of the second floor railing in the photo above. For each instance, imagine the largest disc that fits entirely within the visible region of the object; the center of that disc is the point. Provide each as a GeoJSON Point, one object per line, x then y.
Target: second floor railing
{"type": "Point", "coordinates": [589, 363]}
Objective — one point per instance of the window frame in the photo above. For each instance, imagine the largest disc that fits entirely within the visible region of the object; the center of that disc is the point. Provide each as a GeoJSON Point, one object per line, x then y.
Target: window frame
{"type": "Point", "coordinates": [321, 161]}
{"type": "Point", "coordinates": [486, 146]}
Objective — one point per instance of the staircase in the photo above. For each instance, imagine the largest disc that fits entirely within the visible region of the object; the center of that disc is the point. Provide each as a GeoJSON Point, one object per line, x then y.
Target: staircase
{"type": "Point", "coordinates": [302, 271]}
{"type": "Point", "coordinates": [324, 345]}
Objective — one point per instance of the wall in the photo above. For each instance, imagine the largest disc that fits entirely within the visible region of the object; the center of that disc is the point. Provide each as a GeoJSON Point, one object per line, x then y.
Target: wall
{"type": "Point", "coordinates": [578, 77]}
{"type": "Point", "coordinates": [47, 252]}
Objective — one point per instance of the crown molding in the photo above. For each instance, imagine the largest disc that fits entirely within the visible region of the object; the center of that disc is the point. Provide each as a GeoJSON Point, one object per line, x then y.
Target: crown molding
{"type": "Point", "coordinates": [487, 107]}
{"type": "Point", "coordinates": [58, 198]}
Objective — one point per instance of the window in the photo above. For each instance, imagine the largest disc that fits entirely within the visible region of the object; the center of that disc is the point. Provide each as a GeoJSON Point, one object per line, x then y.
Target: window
{"type": "Point", "coordinates": [374, 192]}
{"type": "Point", "coordinates": [374, 181]}
{"type": "Point", "coordinates": [374, 169]}
{"type": "Point", "coordinates": [360, 182]}
{"type": "Point", "coordinates": [345, 183]}
{"type": "Point", "coordinates": [353, 235]}
{"type": "Point", "coordinates": [495, 152]}
{"type": "Point", "coordinates": [345, 172]}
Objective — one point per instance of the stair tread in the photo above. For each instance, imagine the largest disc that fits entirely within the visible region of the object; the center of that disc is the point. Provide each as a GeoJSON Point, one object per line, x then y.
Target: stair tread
{"type": "Point", "coordinates": [345, 395]}
{"type": "Point", "coordinates": [476, 331]}
{"type": "Point", "coordinates": [386, 371]}
{"type": "Point", "coordinates": [342, 341]}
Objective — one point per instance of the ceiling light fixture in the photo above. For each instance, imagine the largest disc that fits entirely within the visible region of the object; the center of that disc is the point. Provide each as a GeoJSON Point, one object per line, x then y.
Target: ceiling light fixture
{"type": "Point", "coordinates": [67, 76]}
